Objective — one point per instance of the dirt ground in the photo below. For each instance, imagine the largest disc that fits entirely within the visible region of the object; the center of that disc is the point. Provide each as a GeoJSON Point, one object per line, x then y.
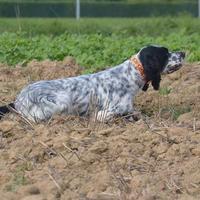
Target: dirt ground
{"type": "Point", "coordinates": [67, 158]}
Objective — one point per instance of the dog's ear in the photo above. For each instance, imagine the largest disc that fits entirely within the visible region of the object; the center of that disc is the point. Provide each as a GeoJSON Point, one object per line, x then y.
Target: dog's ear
{"type": "Point", "coordinates": [156, 82]}
{"type": "Point", "coordinates": [153, 60]}
{"type": "Point", "coordinates": [145, 87]}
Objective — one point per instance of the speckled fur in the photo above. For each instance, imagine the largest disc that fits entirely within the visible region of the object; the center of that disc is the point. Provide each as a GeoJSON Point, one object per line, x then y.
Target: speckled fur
{"type": "Point", "coordinates": [114, 88]}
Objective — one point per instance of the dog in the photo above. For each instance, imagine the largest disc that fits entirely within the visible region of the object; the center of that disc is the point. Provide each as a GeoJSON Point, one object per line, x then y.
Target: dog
{"type": "Point", "coordinates": [114, 88]}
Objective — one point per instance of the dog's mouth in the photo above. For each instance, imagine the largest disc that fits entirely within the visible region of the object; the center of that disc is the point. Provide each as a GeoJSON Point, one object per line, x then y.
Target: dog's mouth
{"type": "Point", "coordinates": [174, 68]}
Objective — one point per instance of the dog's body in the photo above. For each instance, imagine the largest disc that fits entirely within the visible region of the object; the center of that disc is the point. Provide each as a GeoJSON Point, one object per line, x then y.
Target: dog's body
{"type": "Point", "coordinates": [116, 87]}
{"type": "Point", "coordinates": [113, 88]}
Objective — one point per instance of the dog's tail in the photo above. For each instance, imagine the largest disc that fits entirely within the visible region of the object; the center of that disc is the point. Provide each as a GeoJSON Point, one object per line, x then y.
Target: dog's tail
{"type": "Point", "coordinates": [6, 109]}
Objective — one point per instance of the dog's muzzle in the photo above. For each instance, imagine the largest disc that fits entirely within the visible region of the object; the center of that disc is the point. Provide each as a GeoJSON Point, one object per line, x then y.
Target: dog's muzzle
{"type": "Point", "coordinates": [175, 62]}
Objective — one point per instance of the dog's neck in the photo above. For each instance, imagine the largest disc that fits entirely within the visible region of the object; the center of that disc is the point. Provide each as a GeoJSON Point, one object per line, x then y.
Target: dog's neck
{"type": "Point", "coordinates": [138, 66]}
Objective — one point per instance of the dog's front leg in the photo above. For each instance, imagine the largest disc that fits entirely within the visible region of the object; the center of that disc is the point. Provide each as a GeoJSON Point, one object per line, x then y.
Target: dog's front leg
{"type": "Point", "coordinates": [127, 112]}
{"type": "Point", "coordinates": [104, 115]}
{"type": "Point", "coordinates": [115, 111]}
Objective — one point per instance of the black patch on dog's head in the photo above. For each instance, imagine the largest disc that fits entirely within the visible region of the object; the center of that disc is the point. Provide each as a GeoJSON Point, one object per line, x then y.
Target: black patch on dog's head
{"type": "Point", "coordinates": [153, 59]}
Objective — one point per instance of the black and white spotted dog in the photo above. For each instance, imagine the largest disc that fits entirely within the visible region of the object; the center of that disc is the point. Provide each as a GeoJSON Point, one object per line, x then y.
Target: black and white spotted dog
{"type": "Point", "coordinates": [114, 88]}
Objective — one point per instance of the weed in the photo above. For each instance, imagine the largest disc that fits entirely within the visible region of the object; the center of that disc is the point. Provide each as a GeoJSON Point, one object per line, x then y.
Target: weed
{"type": "Point", "coordinates": [174, 111]}
{"type": "Point", "coordinates": [19, 179]}
{"type": "Point", "coordinates": [164, 91]}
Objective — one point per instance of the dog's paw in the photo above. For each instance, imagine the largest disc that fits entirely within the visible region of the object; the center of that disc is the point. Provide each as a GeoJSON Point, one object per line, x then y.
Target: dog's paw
{"type": "Point", "coordinates": [134, 116]}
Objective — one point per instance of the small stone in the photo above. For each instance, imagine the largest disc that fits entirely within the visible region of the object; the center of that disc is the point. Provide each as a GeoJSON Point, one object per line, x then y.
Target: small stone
{"type": "Point", "coordinates": [6, 126]}
{"type": "Point", "coordinates": [196, 151]}
{"type": "Point", "coordinates": [99, 147]}
{"type": "Point", "coordinates": [106, 131]}
{"type": "Point", "coordinates": [162, 148]}
{"type": "Point", "coordinates": [33, 190]}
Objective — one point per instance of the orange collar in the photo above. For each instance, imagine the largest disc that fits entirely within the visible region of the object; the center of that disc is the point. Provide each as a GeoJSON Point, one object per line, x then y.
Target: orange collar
{"type": "Point", "coordinates": [138, 65]}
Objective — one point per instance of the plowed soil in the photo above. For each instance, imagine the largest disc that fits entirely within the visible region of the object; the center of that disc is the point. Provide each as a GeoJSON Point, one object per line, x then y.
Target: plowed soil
{"type": "Point", "coordinates": [70, 158]}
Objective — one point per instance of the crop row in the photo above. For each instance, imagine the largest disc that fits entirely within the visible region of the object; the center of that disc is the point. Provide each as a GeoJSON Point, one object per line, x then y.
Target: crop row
{"type": "Point", "coordinates": [93, 51]}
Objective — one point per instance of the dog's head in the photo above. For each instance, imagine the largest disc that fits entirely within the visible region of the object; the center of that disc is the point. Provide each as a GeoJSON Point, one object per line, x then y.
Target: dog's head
{"type": "Point", "coordinates": [158, 60]}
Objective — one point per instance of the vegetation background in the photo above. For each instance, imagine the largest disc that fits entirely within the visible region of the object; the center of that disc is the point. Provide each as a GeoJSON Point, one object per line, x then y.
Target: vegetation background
{"type": "Point", "coordinates": [39, 29]}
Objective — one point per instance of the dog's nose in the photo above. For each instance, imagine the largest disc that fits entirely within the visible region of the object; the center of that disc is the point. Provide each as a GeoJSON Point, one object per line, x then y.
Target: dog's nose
{"type": "Point", "coordinates": [182, 54]}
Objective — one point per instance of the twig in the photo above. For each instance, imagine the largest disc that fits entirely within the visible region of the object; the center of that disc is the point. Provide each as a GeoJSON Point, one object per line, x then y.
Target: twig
{"type": "Point", "coordinates": [50, 149]}
{"type": "Point", "coordinates": [55, 182]}
{"type": "Point", "coordinates": [72, 151]}
{"type": "Point", "coordinates": [163, 136]}
{"type": "Point", "coordinates": [18, 114]}
{"type": "Point", "coordinates": [53, 151]}
{"type": "Point", "coordinates": [122, 185]}
{"type": "Point", "coordinates": [194, 124]}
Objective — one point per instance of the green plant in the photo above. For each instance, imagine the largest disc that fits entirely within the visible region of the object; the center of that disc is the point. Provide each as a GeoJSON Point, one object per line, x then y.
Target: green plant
{"type": "Point", "coordinates": [18, 179]}
{"type": "Point", "coordinates": [174, 111]}
{"type": "Point", "coordinates": [164, 91]}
